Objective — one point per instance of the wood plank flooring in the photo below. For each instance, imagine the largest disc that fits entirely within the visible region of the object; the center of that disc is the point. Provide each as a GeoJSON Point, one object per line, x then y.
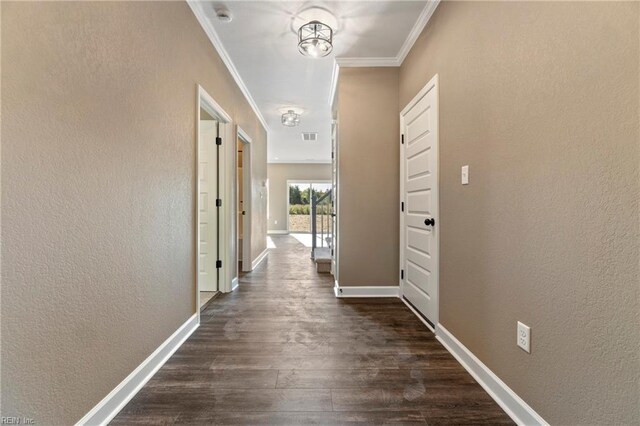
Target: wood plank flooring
{"type": "Point", "coordinates": [282, 350]}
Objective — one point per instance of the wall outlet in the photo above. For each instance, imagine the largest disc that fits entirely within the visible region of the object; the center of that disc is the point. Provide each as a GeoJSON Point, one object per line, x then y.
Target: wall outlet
{"type": "Point", "coordinates": [276, 222]}
{"type": "Point", "coordinates": [464, 174]}
{"type": "Point", "coordinates": [524, 337]}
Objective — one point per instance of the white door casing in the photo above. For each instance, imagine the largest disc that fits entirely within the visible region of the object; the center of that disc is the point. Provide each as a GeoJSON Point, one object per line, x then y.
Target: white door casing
{"type": "Point", "coordinates": [221, 187]}
{"type": "Point", "coordinates": [247, 196]}
{"type": "Point", "coordinates": [227, 231]}
{"type": "Point", "coordinates": [207, 212]}
{"type": "Point", "coordinates": [247, 217]}
{"type": "Point", "coordinates": [334, 194]}
{"type": "Point", "coordinates": [419, 220]}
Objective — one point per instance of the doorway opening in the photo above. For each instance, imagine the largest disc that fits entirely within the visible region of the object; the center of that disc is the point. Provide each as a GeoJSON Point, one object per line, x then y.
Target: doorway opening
{"type": "Point", "coordinates": [211, 125]}
{"type": "Point", "coordinates": [243, 196]}
{"type": "Point", "coordinates": [419, 195]}
{"type": "Point", "coordinates": [301, 194]}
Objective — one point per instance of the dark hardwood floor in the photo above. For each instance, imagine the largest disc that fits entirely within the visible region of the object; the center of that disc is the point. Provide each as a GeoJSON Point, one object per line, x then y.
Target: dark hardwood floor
{"type": "Point", "coordinates": [283, 350]}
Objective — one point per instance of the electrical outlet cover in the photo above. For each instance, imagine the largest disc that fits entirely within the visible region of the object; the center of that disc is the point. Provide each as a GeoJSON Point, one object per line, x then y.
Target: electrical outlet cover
{"type": "Point", "coordinates": [524, 337]}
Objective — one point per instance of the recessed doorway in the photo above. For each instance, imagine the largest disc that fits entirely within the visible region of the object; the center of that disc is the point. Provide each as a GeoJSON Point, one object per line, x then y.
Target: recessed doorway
{"type": "Point", "coordinates": [212, 122]}
{"type": "Point", "coordinates": [419, 194]}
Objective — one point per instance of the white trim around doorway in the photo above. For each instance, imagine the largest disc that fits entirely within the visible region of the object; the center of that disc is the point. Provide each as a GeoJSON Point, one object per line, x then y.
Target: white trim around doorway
{"type": "Point", "coordinates": [433, 84]}
{"type": "Point", "coordinates": [205, 101]}
{"type": "Point", "coordinates": [247, 190]}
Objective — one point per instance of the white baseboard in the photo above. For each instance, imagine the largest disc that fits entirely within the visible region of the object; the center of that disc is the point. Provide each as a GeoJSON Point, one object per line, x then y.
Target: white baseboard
{"type": "Point", "coordinates": [115, 401]}
{"type": "Point", "coordinates": [234, 283]}
{"type": "Point", "coordinates": [365, 291]}
{"type": "Point", "coordinates": [259, 259]}
{"type": "Point", "coordinates": [278, 232]}
{"type": "Point", "coordinates": [519, 411]}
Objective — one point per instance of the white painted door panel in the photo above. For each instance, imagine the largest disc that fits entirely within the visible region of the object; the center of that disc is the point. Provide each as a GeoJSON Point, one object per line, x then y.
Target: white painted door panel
{"type": "Point", "coordinates": [207, 206]}
{"type": "Point", "coordinates": [419, 192]}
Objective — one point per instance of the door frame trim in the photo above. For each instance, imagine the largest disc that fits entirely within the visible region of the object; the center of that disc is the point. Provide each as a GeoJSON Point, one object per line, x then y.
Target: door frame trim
{"type": "Point", "coordinates": [432, 84]}
{"type": "Point", "coordinates": [247, 190]}
{"type": "Point", "coordinates": [335, 172]}
{"type": "Point", "coordinates": [206, 101]}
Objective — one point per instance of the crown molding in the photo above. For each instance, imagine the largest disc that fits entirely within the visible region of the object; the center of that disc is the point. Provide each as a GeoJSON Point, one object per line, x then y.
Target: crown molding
{"type": "Point", "coordinates": [421, 22]}
{"type": "Point", "coordinates": [205, 23]}
{"type": "Point", "coordinates": [367, 62]}
{"type": "Point", "coordinates": [415, 32]}
{"type": "Point", "coordinates": [396, 61]}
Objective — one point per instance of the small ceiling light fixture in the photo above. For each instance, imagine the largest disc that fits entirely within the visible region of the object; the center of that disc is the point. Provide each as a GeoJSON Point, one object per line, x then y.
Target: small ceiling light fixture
{"type": "Point", "coordinates": [290, 118]}
{"type": "Point", "coordinates": [315, 39]}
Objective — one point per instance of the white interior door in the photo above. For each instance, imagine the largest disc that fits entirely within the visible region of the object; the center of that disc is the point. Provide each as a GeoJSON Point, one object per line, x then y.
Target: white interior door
{"type": "Point", "coordinates": [207, 212]}
{"type": "Point", "coordinates": [419, 255]}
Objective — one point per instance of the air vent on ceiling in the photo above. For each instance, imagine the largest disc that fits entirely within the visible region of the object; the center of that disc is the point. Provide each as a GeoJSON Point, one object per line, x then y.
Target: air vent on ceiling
{"type": "Point", "coordinates": [309, 136]}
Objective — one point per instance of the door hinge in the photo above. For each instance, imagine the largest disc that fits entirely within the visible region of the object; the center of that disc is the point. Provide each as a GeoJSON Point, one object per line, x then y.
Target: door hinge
{"type": "Point", "coordinates": [218, 140]}
{"type": "Point", "coordinates": [218, 202]}
{"type": "Point", "coordinates": [332, 155]}
{"type": "Point", "coordinates": [331, 252]}
{"type": "Point", "coordinates": [402, 139]}
{"type": "Point", "coordinates": [402, 274]}
{"type": "Point", "coordinates": [402, 205]}
{"type": "Point", "coordinates": [218, 264]}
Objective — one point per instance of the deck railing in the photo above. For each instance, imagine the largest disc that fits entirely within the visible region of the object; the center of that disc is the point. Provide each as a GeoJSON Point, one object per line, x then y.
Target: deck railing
{"type": "Point", "coordinates": [321, 222]}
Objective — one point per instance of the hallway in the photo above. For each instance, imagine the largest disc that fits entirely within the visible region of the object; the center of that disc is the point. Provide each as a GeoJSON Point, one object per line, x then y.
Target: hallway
{"type": "Point", "coordinates": [283, 350]}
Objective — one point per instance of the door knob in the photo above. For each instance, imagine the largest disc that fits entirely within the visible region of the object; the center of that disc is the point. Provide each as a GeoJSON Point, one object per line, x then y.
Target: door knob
{"type": "Point", "coordinates": [431, 222]}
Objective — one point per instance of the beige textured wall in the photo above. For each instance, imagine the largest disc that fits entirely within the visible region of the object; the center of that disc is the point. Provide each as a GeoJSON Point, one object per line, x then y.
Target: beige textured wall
{"type": "Point", "coordinates": [368, 145]}
{"type": "Point", "coordinates": [278, 175]}
{"type": "Point", "coordinates": [541, 99]}
{"type": "Point", "coordinates": [98, 197]}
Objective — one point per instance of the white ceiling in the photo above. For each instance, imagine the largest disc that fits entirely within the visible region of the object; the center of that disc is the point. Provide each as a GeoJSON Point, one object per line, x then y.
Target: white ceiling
{"type": "Point", "coordinates": [261, 43]}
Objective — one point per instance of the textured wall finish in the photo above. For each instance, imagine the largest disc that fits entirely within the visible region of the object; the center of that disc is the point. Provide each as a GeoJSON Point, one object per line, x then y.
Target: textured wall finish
{"type": "Point", "coordinates": [98, 197]}
{"type": "Point", "coordinates": [541, 100]}
{"type": "Point", "coordinates": [369, 156]}
{"type": "Point", "coordinates": [278, 176]}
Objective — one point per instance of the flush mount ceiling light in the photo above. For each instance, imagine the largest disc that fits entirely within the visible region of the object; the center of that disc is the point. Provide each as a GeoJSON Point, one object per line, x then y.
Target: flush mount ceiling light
{"type": "Point", "coordinates": [315, 39]}
{"type": "Point", "coordinates": [290, 118]}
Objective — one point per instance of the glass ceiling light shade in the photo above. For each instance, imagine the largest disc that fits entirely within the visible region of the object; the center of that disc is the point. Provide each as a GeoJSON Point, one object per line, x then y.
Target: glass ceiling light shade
{"type": "Point", "coordinates": [290, 118]}
{"type": "Point", "coordinates": [315, 39]}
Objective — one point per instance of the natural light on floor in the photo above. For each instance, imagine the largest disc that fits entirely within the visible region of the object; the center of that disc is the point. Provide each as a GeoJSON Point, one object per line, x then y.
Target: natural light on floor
{"type": "Point", "coordinates": [305, 239]}
{"type": "Point", "coordinates": [270, 243]}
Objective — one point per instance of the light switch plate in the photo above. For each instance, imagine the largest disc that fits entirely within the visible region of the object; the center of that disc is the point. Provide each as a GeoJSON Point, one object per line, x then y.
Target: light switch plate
{"type": "Point", "coordinates": [465, 175]}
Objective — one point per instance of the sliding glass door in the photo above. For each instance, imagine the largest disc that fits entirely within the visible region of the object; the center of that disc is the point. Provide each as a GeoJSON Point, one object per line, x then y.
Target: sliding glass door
{"type": "Point", "coordinates": [299, 203]}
